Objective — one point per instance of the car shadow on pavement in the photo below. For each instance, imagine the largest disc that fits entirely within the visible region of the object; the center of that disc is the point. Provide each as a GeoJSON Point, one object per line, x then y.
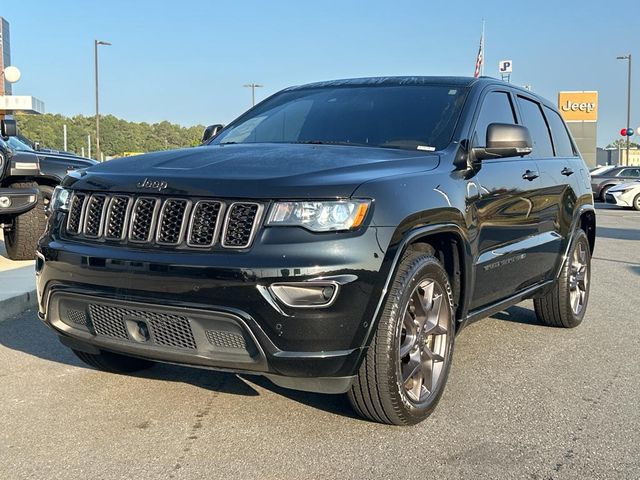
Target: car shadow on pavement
{"type": "Point", "coordinates": [27, 334]}
{"type": "Point", "coordinates": [517, 314]}
{"type": "Point", "coordinates": [619, 233]}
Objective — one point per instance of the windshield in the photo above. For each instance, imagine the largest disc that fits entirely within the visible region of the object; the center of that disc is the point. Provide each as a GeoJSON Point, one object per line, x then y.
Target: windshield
{"type": "Point", "coordinates": [16, 144]}
{"type": "Point", "coordinates": [409, 116]}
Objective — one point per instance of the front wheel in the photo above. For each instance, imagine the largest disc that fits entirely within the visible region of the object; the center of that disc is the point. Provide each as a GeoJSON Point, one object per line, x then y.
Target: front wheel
{"type": "Point", "coordinates": [21, 238]}
{"type": "Point", "coordinates": [636, 202]}
{"type": "Point", "coordinates": [566, 303]}
{"type": "Point", "coordinates": [405, 370]}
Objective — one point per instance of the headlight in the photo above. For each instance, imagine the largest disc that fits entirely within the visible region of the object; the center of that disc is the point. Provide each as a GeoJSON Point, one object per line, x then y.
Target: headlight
{"type": "Point", "coordinates": [320, 216]}
{"type": "Point", "coordinates": [60, 199]}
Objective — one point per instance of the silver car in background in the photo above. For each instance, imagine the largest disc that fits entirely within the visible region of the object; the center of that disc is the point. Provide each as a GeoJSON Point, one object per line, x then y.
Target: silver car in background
{"type": "Point", "coordinates": [625, 195]}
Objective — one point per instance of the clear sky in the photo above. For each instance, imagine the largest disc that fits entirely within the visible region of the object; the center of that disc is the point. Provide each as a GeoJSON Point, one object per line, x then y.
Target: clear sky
{"type": "Point", "coordinates": [186, 61]}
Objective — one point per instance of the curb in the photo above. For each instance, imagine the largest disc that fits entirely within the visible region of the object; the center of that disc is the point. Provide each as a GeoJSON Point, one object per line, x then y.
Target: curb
{"type": "Point", "coordinates": [12, 306]}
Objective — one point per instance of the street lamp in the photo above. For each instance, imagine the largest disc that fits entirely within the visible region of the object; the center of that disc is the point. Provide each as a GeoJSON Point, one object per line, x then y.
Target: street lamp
{"type": "Point", "coordinates": [96, 43]}
{"type": "Point", "coordinates": [253, 87]}
{"type": "Point", "coordinates": [628, 57]}
{"type": "Point", "coordinates": [11, 74]}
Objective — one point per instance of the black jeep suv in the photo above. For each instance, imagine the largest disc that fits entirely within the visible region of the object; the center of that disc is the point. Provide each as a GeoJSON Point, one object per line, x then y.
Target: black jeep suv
{"type": "Point", "coordinates": [334, 238]}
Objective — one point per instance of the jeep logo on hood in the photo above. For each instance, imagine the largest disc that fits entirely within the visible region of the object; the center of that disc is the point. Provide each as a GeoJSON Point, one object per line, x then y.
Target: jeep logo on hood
{"type": "Point", "coordinates": [153, 184]}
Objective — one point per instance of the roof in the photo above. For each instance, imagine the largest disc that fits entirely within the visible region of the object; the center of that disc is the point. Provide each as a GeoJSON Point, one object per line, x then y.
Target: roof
{"type": "Point", "coordinates": [406, 80]}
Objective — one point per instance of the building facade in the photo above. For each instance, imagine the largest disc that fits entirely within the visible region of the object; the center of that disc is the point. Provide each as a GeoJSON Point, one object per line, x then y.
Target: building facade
{"type": "Point", "coordinates": [580, 111]}
{"type": "Point", "coordinates": [5, 55]}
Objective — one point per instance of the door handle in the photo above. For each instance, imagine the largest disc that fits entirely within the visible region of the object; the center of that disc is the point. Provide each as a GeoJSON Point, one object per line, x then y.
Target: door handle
{"type": "Point", "coordinates": [530, 175]}
{"type": "Point", "coordinates": [566, 171]}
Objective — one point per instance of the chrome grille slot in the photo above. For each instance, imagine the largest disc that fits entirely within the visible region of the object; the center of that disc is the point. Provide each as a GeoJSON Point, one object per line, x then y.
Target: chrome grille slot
{"type": "Point", "coordinates": [76, 211]}
{"type": "Point", "coordinates": [172, 224]}
{"type": "Point", "coordinates": [241, 224]}
{"type": "Point", "coordinates": [143, 218]}
{"type": "Point", "coordinates": [94, 215]}
{"type": "Point", "coordinates": [205, 223]}
{"type": "Point", "coordinates": [160, 221]}
{"type": "Point", "coordinates": [117, 217]}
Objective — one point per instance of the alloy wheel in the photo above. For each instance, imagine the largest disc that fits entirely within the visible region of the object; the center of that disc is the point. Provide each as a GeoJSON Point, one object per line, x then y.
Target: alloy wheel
{"type": "Point", "coordinates": [578, 278]}
{"type": "Point", "coordinates": [424, 341]}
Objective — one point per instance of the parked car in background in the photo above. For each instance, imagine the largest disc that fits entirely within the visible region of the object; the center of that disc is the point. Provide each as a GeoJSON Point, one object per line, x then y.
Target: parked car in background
{"type": "Point", "coordinates": [625, 195]}
{"type": "Point", "coordinates": [602, 182]}
{"type": "Point", "coordinates": [601, 169]}
{"type": "Point", "coordinates": [27, 180]}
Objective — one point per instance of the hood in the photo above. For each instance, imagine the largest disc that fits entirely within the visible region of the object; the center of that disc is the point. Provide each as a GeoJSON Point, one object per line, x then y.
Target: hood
{"type": "Point", "coordinates": [252, 170]}
{"type": "Point", "coordinates": [625, 186]}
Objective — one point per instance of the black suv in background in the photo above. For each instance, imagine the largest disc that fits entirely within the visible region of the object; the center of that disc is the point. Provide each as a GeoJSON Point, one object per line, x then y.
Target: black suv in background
{"type": "Point", "coordinates": [27, 180]}
{"type": "Point", "coordinates": [334, 238]}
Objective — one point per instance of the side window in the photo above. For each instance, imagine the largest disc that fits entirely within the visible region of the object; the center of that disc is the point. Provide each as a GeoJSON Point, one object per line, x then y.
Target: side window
{"type": "Point", "coordinates": [629, 172]}
{"type": "Point", "coordinates": [496, 108]}
{"type": "Point", "coordinates": [561, 139]}
{"type": "Point", "coordinates": [532, 119]}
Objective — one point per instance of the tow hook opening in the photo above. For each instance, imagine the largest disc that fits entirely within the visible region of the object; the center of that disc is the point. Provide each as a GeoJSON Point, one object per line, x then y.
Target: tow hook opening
{"type": "Point", "coordinates": [138, 330]}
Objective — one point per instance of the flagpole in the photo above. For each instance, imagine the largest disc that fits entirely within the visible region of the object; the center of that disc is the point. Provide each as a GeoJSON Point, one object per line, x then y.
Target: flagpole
{"type": "Point", "coordinates": [484, 51]}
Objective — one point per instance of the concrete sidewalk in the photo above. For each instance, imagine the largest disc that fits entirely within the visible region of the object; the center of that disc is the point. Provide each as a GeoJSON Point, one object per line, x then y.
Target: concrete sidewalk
{"type": "Point", "coordinates": [17, 285]}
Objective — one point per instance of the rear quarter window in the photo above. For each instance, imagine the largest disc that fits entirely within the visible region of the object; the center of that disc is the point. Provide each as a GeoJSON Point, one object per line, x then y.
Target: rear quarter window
{"type": "Point", "coordinates": [533, 119]}
{"type": "Point", "coordinates": [561, 139]}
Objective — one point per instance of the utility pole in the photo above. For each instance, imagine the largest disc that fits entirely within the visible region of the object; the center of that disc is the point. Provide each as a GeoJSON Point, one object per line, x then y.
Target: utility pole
{"type": "Point", "coordinates": [97, 43]}
{"type": "Point", "coordinates": [64, 137]}
{"type": "Point", "coordinates": [628, 58]}
{"type": "Point", "coordinates": [89, 145]}
{"type": "Point", "coordinates": [253, 87]}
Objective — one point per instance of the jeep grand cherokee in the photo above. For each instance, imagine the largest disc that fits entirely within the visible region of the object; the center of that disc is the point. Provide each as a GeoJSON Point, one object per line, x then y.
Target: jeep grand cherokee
{"type": "Point", "coordinates": [335, 238]}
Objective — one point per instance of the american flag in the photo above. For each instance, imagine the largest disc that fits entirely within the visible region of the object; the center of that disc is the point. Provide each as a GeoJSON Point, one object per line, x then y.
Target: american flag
{"type": "Point", "coordinates": [480, 59]}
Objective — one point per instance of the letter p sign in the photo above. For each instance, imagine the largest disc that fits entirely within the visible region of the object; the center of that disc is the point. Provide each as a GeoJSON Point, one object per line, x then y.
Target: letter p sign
{"type": "Point", "coordinates": [505, 66]}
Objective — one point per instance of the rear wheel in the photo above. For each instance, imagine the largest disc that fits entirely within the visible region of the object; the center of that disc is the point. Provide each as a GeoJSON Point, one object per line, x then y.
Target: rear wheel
{"type": "Point", "coordinates": [405, 370]}
{"type": "Point", "coordinates": [636, 202]}
{"type": "Point", "coordinates": [566, 303]}
{"type": "Point", "coordinates": [21, 238]}
{"type": "Point", "coordinates": [113, 362]}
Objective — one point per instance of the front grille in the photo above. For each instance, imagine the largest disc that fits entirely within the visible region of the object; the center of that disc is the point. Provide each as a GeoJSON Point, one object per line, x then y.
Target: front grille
{"type": "Point", "coordinates": [609, 198]}
{"type": "Point", "coordinates": [219, 338]}
{"type": "Point", "coordinates": [165, 329]}
{"type": "Point", "coordinates": [240, 225]}
{"type": "Point", "coordinates": [167, 222]}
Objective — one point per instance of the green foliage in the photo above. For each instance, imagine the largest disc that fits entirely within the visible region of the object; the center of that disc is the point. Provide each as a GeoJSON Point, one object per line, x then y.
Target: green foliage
{"type": "Point", "coordinates": [622, 143]}
{"type": "Point", "coordinates": [116, 135]}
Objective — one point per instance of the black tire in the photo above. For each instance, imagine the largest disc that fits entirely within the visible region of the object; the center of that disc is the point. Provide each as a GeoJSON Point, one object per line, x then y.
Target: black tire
{"type": "Point", "coordinates": [379, 392]}
{"type": "Point", "coordinates": [603, 192]}
{"type": "Point", "coordinates": [555, 309]}
{"type": "Point", "coordinates": [636, 202]}
{"type": "Point", "coordinates": [21, 238]}
{"type": "Point", "coordinates": [113, 362]}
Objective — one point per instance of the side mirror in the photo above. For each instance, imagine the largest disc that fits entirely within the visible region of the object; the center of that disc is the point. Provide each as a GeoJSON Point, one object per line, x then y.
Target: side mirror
{"type": "Point", "coordinates": [505, 140]}
{"type": "Point", "coordinates": [8, 128]}
{"type": "Point", "coordinates": [211, 131]}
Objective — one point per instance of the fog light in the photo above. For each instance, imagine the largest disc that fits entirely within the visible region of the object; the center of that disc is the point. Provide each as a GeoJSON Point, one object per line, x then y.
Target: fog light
{"type": "Point", "coordinates": [305, 294]}
{"type": "Point", "coordinates": [5, 202]}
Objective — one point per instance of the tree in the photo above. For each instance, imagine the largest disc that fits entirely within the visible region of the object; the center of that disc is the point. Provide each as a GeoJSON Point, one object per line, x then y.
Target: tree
{"type": "Point", "coordinates": [622, 143]}
{"type": "Point", "coordinates": [116, 135]}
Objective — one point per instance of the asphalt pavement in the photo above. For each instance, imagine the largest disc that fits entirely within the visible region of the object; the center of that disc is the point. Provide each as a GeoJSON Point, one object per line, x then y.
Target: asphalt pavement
{"type": "Point", "coordinates": [523, 401]}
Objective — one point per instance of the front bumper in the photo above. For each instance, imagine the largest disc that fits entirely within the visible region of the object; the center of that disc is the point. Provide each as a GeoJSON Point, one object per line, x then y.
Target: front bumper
{"type": "Point", "coordinates": [19, 200]}
{"type": "Point", "coordinates": [622, 198]}
{"type": "Point", "coordinates": [222, 302]}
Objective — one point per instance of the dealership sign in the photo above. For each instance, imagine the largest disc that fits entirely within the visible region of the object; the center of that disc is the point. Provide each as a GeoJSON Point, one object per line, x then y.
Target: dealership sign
{"type": "Point", "coordinates": [578, 106]}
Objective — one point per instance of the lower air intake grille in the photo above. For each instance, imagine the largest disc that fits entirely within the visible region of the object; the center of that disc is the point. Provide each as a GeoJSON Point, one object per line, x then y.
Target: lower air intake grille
{"type": "Point", "coordinates": [240, 223]}
{"type": "Point", "coordinates": [225, 339]}
{"type": "Point", "coordinates": [166, 329]}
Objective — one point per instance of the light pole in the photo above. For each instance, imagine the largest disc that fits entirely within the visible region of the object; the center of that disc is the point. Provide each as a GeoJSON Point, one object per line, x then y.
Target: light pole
{"type": "Point", "coordinates": [628, 58]}
{"type": "Point", "coordinates": [96, 43]}
{"type": "Point", "coordinates": [253, 87]}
